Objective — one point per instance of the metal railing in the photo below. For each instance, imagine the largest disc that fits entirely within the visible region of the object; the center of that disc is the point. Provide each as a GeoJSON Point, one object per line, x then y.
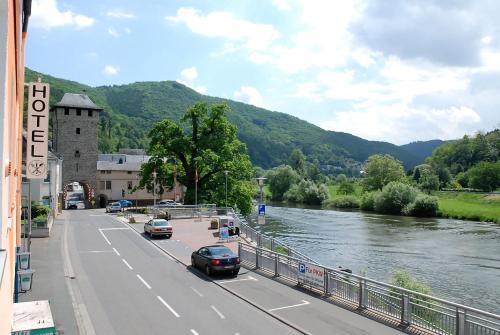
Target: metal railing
{"type": "Point", "coordinates": [409, 308]}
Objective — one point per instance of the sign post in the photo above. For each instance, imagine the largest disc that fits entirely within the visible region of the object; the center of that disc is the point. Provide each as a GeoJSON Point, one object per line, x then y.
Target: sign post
{"type": "Point", "coordinates": [312, 275]}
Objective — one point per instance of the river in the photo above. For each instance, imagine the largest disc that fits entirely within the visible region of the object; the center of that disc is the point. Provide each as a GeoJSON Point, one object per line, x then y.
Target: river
{"type": "Point", "coordinates": [459, 260]}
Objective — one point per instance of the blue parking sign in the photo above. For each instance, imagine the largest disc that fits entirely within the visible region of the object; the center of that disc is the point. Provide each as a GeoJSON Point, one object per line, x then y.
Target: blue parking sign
{"type": "Point", "coordinates": [262, 209]}
{"type": "Point", "coordinates": [302, 268]}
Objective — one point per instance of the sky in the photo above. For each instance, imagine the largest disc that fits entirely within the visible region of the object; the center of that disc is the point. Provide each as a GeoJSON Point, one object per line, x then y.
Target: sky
{"type": "Point", "coordinates": [396, 71]}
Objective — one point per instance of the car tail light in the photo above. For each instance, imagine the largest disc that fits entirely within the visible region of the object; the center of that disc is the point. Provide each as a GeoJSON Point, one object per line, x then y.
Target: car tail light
{"type": "Point", "coordinates": [237, 260]}
{"type": "Point", "coordinates": [215, 261]}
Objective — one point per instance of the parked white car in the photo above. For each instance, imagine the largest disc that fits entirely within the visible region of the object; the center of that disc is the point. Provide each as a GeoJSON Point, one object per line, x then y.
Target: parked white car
{"type": "Point", "coordinates": [158, 227]}
{"type": "Point", "coordinates": [167, 203]}
{"type": "Point", "coordinates": [113, 207]}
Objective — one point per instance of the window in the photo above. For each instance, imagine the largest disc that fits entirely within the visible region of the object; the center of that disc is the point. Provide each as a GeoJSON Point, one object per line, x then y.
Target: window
{"type": "Point", "coordinates": [77, 153]}
{"type": "Point", "coordinates": [78, 112]}
{"type": "Point", "coordinates": [78, 131]}
{"type": "Point", "coordinates": [103, 171]}
{"type": "Point", "coordinates": [90, 113]}
{"type": "Point", "coordinates": [66, 111]}
{"type": "Point", "coordinates": [108, 184]}
{"type": "Point", "coordinates": [76, 167]}
{"type": "Point", "coordinates": [108, 171]}
{"type": "Point", "coordinates": [129, 185]}
{"type": "Point", "coordinates": [102, 184]}
{"type": "Point", "coordinates": [129, 172]}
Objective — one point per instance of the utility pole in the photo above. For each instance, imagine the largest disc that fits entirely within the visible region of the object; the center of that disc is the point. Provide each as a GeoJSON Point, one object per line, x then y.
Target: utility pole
{"type": "Point", "coordinates": [154, 192]}
{"type": "Point", "coordinates": [226, 172]}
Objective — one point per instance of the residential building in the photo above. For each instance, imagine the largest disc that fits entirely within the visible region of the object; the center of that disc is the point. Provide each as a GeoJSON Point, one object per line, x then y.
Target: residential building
{"type": "Point", "coordinates": [13, 27]}
{"type": "Point", "coordinates": [118, 175]}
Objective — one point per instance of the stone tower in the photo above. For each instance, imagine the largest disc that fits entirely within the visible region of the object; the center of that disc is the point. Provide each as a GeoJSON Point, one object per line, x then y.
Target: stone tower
{"type": "Point", "coordinates": [75, 122]}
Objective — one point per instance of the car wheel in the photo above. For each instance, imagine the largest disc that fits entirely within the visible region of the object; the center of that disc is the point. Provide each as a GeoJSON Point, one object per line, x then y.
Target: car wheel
{"type": "Point", "coordinates": [207, 270]}
{"type": "Point", "coordinates": [235, 272]}
{"type": "Point", "coordinates": [169, 236]}
{"type": "Point", "coordinates": [193, 265]}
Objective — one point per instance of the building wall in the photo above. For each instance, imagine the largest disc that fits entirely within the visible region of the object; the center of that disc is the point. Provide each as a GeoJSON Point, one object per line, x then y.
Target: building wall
{"type": "Point", "coordinates": [119, 181]}
{"type": "Point", "coordinates": [67, 142]}
{"type": "Point", "coordinates": [11, 102]}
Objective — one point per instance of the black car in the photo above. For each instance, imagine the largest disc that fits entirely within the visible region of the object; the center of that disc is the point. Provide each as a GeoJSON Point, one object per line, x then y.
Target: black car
{"type": "Point", "coordinates": [216, 258]}
{"type": "Point", "coordinates": [72, 205]}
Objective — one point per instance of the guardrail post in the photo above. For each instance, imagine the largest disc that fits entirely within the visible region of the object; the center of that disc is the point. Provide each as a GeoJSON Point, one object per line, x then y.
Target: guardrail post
{"type": "Point", "coordinates": [272, 244]}
{"type": "Point", "coordinates": [363, 294]}
{"type": "Point", "coordinates": [259, 241]}
{"type": "Point", "coordinates": [276, 260]}
{"type": "Point", "coordinates": [326, 284]}
{"type": "Point", "coordinates": [405, 310]}
{"type": "Point", "coordinates": [256, 258]}
{"type": "Point", "coordinates": [460, 327]}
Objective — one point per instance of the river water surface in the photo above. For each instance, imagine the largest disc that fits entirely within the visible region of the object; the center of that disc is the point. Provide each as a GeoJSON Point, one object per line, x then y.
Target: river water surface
{"type": "Point", "coordinates": [459, 260]}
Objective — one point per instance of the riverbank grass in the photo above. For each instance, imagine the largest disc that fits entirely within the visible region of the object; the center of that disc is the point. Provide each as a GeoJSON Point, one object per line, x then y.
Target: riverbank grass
{"type": "Point", "coordinates": [469, 206]}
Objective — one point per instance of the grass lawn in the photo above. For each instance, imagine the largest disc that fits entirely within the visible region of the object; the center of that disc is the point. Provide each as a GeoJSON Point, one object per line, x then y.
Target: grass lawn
{"type": "Point", "coordinates": [332, 191]}
{"type": "Point", "coordinates": [469, 206]}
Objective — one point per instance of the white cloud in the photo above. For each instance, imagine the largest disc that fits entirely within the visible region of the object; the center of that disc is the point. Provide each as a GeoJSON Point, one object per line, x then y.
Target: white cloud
{"type": "Point", "coordinates": [46, 14]}
{"type": "Point", "coordinates": [249, 95]}
{"type": "Point", "coordinates": [188, 78]}
{"type": "Point", "coordinates": [226, 25]}
{"type": "Point", "coordinates": [400, 124]}
{"type": "Point", "coordinates": [113, 32]}
{"type": "Point", "coordinates": [282, 5]}
{"type": "Point", "coordinates": [127, 30]}
{"type": "Point", "coordinates": [120, 14]}
{"type": "Point", "coordinates": [110, 70]}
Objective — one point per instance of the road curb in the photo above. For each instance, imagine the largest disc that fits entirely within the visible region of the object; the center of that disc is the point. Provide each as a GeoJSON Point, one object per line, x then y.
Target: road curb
{"type": "Point", "coordinates": [245, 299]}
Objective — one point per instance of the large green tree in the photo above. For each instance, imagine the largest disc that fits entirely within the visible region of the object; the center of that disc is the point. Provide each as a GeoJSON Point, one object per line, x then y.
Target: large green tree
{"type": "Point", "coordinates": [199, 150]}
{"type": "Point", "coordinates": [280, 181]}
{"type": "Point", "coordinates": [380, 170]}
{"type": "Point", "coordinates": [485, 176]}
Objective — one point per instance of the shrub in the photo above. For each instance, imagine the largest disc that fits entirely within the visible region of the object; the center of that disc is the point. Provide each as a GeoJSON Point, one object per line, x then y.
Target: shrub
{"type": "Point", "coordinates": [368, 201]}
{"type": "Point", "coordinates": [394, 197]}
{"type": "Point", "coordinates": [422, 206]}
{"type": "Point", "coordinates": [347, 201]}
{"type": "Point", "coordinates": [307, 192]}
{"type": "Point", "coordinates": [39, 212]}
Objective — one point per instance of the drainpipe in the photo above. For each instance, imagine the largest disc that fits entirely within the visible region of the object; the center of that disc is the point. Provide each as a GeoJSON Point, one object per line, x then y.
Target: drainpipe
{"type": "Point", "coordinates": [26, 14]}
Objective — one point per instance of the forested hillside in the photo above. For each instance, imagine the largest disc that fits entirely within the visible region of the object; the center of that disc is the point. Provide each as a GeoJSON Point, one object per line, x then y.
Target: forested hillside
{"type": "Point", "coordinates": [131, 110]}
{"type": "Point", "coordinates": [422, 149]}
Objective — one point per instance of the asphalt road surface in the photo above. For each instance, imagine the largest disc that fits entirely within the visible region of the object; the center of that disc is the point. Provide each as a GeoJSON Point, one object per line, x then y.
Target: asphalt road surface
{"type": "Point", "coordinates": [124, 284]}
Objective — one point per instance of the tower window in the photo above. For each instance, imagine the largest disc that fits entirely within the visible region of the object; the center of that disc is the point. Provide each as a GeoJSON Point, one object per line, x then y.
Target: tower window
{"type": "Point", "coordinates": [79, 112]}
{"type": "Point", "coordinates": [78, 130]}
{"type": "Point", "coordinates": [90, 113]}
{"type": "Point", "coordinates": [77, 153]}
{"type": "Point", "coordinates": [76, 167]}
{"type": "Point", "coordinates": [129, 185]}
{"type": "Point", "coordinates": [66, 111]}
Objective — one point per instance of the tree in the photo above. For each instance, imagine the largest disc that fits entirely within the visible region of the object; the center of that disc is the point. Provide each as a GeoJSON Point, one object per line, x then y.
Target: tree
{"type": "Point", "coordinates": [485, 176]}
{"type": "Point", "coordinates": [381, 170]}
{"type": "Point", "coordinates": [280, 181]}
{"type": "Point", "coordinates": [428, 181]}
{"type": "Point", "coordinates": [298, 161]}
{"type": "Point", "coordinates": [199, 150]}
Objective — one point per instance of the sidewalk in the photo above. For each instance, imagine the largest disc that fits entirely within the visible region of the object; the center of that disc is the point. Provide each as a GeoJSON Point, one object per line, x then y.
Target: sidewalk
{"type": "Point", "coordinates": [49, 282]}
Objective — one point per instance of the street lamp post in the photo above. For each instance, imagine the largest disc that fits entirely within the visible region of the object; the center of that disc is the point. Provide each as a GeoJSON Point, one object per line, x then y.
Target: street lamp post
{"type": "Point", "coordinates": [260, 181]}
{"type": "Point", "coordinates": [226, 172]}
{"type": "Point", "coordinates": [154, 191]}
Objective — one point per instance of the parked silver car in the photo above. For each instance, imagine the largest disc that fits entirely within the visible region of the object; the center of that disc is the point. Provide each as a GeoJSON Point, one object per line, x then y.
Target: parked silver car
{"type": "Point", "coordinates": [113, 207]}
{"type": "Point", "coordinates": [157, 227]}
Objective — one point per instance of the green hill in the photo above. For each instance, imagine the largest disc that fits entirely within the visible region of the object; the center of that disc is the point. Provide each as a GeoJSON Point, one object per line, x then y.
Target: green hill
{"type": "Point", "coordinates": [131, 110]}
{"type": "Point", "coordinates": [422, 149]}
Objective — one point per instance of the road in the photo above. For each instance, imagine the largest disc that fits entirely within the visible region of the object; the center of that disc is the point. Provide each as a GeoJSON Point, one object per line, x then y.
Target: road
{"type": "Point", "coordinates": [128, 286]}
{"type": "Point", "coordinates": [124, 284]}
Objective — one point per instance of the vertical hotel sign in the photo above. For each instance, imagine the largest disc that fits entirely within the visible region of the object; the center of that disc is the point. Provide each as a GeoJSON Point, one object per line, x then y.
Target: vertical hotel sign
{"type": "Point", "coordinates": [38, 130]}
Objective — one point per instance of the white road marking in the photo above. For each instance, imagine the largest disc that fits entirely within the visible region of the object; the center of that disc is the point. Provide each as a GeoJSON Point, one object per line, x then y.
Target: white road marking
{"type": "Point", "coordinates": [143, 281]}
{"type": "Point", "coordinates": [291, 306]}
{"type": "Point", "coordinates": [95, 251]}
{"type": "Point", "coordinates": [127, 264]}
{"type": "Point", "coordinates": [116, 251]}
{"type": "Point", "coordinates": [218, 312]}
{"type": "Point", "coordinates": [169, 308]}
{"type": "Point", "coordinates": [97, 215]}
{"type": "Point", "coordinates": [197, 292]}
{"type": "Point", "coordinates": [116, 228]}
{"type": "Point", "coordinates": [100, 231]}
{"type": "Point", "coordinates": [236, 280]}
{"type": "Point", "coordinates": [194, 332]}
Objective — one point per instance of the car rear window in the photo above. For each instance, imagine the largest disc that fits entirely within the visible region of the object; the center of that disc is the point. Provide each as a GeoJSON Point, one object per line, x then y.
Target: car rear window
{"type": "Point", "coordinates": [160, 223]}
{"type": "Point", "coordinates": [220, 251]}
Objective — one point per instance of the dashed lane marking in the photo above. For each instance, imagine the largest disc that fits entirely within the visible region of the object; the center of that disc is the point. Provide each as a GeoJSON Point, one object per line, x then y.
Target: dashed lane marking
{"type": "Point", "coordinates": [194, 332]}
{"type": "Point", "coordinates": [197, 292]}
{"type": "Point", "coordinates": [168, 306]}
{"type": "Point", "coordinates": [144, 282]}
{"type": "Point", "coordinates": [237, 280]}
{"type": "Point", "coordinates": [105, 238]}
{"type": "Point", "coordinates": [218, 312]}
{"type": "Point", "coordinates": [127, 264]}
{"type": "Point", "coordinates": [116, 251]}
